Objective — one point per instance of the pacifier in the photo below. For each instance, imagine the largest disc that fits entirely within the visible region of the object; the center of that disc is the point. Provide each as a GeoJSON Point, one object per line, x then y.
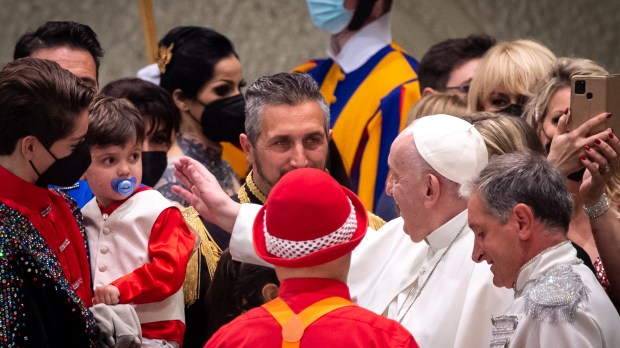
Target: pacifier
{"type": "Point", "coordinates": [124, 187]}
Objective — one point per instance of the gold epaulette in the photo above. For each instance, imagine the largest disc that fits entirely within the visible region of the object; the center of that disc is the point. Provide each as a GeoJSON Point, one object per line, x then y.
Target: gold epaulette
{"type": "Point", "coordinates": [375, 222]}
{"type": "Point", "coordinates": [208, 248]}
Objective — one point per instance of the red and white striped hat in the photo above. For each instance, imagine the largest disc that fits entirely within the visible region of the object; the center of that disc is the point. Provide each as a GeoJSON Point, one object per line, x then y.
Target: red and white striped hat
{"type": "Point", "coordinates": [308, 220]}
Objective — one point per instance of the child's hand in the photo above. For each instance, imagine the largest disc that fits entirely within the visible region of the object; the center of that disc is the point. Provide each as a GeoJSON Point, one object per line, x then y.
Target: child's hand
{"type": "Point", "coordinates": [107, 294]}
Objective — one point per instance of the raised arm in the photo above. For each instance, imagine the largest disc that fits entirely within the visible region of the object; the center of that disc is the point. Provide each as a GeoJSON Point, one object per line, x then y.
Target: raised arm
{"type": "Point", "coordinates": [601, 163]}
{"type": "Point", "coordinates": [205, 193]}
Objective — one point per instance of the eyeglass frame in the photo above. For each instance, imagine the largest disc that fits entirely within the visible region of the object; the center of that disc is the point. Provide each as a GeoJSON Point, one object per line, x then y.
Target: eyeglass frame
{"type": "Point", "coordinates": [462, 88]}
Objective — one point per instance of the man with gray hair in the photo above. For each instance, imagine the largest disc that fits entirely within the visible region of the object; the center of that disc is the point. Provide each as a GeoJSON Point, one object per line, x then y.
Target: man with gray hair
{"type": "Point", "coordinates": [519, 211]}
{"type": "Point", "coordinates": [431, 286]}
{"type": "Point", "coordinates": [286, 127]}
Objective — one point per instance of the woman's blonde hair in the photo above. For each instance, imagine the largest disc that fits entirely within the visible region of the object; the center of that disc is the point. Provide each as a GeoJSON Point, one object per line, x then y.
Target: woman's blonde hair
{"type": "Point", "coordinates": [437, 103]}
{"type": "Point", "coordinates": [559, 77]}
{"type": "Point", "coordinates": [514, 67]}
{"type": "Point", "coordinates": [562, 71]}
{"type": "Point", "coordinates": [504, 134]}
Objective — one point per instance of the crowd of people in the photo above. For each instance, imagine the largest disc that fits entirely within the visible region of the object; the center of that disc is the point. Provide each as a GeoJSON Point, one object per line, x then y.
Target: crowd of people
{"type": "Point", "coordinates": [360, 200]}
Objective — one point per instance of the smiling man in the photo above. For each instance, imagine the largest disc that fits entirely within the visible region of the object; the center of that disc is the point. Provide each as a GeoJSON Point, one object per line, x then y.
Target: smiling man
{"type": "Point", "coordinates": [519, 212]}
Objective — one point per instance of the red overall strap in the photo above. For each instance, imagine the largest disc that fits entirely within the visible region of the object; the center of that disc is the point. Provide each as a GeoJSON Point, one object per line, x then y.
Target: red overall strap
{"type": "Point", "coordinates": [293, 325]}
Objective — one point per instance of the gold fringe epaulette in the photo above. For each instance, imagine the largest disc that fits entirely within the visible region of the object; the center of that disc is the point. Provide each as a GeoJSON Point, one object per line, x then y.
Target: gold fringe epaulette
{"type": "Point", "coordinates": [375, 222]}
{"type": "Point", "coordinates": [207, 247]}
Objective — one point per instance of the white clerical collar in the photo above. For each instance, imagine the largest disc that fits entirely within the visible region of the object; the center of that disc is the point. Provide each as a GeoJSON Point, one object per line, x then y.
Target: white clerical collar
{"type": "Point", "coordinates": [558, 254]}
{"type": "Point", "coordinates": [444, 235]}
{"type": "Point", "coordinates": [363, 44]}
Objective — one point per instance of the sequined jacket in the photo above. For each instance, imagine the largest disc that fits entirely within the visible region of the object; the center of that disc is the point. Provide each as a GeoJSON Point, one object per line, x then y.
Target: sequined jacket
{"type": "Point", "coordinates": [39, 308]}
{"type": "Point", "coordinates": [558, 303]}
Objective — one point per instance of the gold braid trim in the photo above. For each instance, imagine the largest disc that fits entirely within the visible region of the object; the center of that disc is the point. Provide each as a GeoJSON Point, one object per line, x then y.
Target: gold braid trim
{"type": "Point", "coordinates": [375, 222]}
{"type": "Point", "coordinates": [250, 185]}
{"type": "Point", "coordinates": [243, 196]}
{"type": "Point", "coordinates": [208, 248]}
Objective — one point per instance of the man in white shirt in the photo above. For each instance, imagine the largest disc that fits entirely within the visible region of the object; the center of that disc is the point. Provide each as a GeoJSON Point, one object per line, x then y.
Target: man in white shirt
{"type": "Point", "coordinates": [519, 211]}
{"type": "Point", "coordinates": [431, 285]}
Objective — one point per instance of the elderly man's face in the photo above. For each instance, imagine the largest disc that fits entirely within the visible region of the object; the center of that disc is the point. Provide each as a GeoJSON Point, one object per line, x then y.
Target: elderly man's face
{"type": "Point", "coordinates": [78, 61]}
{"type": "Point", "coordinates": [292, 136]}
{"type": "Point", "coordinates": [495, 243]}
{"type": "Point", "coordinates": [408, 189]}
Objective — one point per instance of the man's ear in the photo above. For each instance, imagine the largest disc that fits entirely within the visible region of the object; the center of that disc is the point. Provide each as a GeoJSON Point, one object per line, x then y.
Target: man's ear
{"type": "Point", "coordinates": [269, 292]}
{"type": "Point", "coordinates": [523, 219]}
{"type": "Point", "coordinates": [180, 100]}
{"type": "Point", "coordinates": [433, 190]}
{"type": "Point", "coordinates": [247, 148]}
{"type": "Point", "coordinates": [428, 91]}
{"type": "Point", "coordinates": [329, 134]}
{"type": "Point", "coordinates": [27, 146]}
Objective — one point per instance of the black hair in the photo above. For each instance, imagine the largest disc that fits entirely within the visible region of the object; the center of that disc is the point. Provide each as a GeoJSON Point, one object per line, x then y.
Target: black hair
{"type": "Point", "coordinates": [437, 63]}
{"type": "Point", "coordinates": [195, 52]}
{"type": "Point", "coordinates": [154, 103]}
{"type": "Point", "coordinates": [236, 288]}
{"type": "Point", "coordinates": [59, 34]}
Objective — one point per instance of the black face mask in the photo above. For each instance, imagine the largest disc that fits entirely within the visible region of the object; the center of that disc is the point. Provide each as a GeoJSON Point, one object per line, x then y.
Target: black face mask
{"type": "Point", "coordinates": [67, 170]}
{"type": "Point", "coordinates": [515, 110]}
{"type": "Point", "coordinates": [224, 119]}
{"type": "Point", "coordinates": [153, 165]}
{"type": "Point", "coordinates": [577, 176]}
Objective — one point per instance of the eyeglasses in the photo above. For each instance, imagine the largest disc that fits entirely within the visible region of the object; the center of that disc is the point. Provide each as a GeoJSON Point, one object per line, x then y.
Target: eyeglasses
{"type": "Point", "coordinates": [462, 88]}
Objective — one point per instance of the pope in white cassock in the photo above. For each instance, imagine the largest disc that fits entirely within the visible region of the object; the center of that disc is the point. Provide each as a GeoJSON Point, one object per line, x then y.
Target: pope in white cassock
{"type": "Point", "coordinates": [423, 277]}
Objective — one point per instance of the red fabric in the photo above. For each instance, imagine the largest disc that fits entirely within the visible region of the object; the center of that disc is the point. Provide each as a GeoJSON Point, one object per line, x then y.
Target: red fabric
{"type": "Point", "coordinates": [344, 327]}
{"type": "Point", "coordinates": [56, 227]}
{"type": "Point", "coordinates": [285, 216]}
{"type": "Point", "coordinates": [171, 331]}
{"type": "Point", "coordinates": [170, 246]}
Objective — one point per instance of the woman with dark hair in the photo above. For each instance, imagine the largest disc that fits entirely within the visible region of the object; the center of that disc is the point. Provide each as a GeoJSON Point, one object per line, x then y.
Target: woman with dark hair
{"type": "Point", "coordinates": [201, 70]}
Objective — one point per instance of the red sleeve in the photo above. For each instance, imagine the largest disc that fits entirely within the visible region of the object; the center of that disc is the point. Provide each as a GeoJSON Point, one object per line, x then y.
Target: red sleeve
{"type": "Point", "coordinates": [170, 246]}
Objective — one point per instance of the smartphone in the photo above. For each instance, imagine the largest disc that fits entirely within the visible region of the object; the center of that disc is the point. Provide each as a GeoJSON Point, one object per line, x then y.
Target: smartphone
{"type": "Point", "coordinates": [593, 95]}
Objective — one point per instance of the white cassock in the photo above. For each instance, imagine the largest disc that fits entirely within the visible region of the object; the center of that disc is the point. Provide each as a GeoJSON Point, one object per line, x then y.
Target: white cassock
{"type": "Point", "coordinates": [558, 303]}
{"type": "Point", "coordinates": [458, 297]}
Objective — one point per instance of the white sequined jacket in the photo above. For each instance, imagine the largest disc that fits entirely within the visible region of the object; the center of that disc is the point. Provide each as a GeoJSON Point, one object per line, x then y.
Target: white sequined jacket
{"type": "Point", "coordinates": [558, 303]}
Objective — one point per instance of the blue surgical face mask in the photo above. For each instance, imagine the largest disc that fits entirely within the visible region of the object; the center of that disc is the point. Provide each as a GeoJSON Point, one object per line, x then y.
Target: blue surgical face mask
{"type": "Point", "coordinates": [329, 15]}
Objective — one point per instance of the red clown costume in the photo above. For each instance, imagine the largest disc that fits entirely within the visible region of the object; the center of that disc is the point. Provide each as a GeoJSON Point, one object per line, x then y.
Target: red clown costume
{"type": "Point", "coordinates": [308, 221]}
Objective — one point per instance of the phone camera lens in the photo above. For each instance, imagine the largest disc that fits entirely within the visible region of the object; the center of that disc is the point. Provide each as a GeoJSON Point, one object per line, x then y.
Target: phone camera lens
{"type": "Point", "coordinates": [580, 86]}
